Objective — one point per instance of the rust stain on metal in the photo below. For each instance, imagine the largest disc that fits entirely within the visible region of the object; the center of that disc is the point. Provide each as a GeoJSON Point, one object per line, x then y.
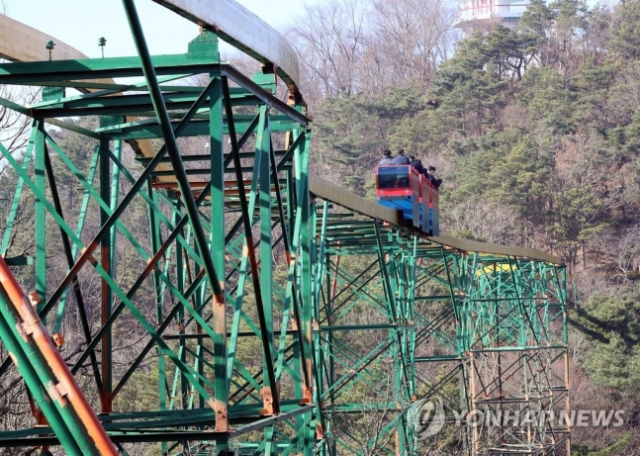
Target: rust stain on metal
{"type": "Point", "coordinates": [58, 339]}
{"type": "Point", "coordinates": [267, 401]}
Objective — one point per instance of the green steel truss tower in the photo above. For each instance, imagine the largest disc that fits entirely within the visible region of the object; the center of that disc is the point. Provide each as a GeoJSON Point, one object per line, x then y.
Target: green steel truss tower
{"type": "Point", "coordinates": [402, 323]}
{"type": "Point", "coordinates": [223, 301]}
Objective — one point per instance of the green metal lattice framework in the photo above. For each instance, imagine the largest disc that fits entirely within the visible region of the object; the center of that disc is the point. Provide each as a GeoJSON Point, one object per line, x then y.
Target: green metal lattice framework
{"type": "Point", "coordinates": [401, 321]}
{"type": "Point", "coordinates": [225, 369]}
{"type": "Point", "coordinates": [272, 321]}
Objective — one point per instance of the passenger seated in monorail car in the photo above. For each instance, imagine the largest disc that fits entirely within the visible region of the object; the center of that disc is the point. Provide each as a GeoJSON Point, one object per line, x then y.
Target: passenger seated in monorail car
{"type": "Point", "coordinates": [387, 159]}
{"type": "Point", "coordinates": [401, 158]}
{"type": "Point", "coordinates": [435, 180]}
{"type": "Point", "coordinates": [417, 165]}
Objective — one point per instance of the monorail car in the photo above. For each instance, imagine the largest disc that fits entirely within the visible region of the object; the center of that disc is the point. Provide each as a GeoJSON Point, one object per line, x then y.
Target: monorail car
{"type": "Point", "coordinates": [403, 188]}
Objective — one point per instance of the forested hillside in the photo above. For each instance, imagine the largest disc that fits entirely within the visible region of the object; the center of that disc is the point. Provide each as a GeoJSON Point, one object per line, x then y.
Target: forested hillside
{"type": "Point", "coordinates": [535, 132]}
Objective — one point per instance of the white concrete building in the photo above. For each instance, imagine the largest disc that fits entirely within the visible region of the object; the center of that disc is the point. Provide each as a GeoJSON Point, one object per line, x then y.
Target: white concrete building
{"type": "Point", "coordinates": [482, 14]}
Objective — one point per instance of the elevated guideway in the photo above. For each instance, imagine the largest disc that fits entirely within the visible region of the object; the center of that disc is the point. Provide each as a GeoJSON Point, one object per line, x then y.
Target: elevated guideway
{"type": "Point", "coordinates": [241, 28]}
{"type": "Point", "coordinates": [247, 32]}
{"type": "Point", "coordinates": [263, 313]}
{"type": "Point", "coordinates": [331, 192]}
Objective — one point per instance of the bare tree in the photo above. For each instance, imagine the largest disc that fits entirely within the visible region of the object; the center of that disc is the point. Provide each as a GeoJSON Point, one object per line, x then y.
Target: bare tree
{"type": "Point", "coordinates": [332, 39]}
{"type": "Point", "coordinates": [621, 250]}
{"type": "Point", "coordinates": [359, 46]}
{"type": "Point", "coordinates": [412, 37]}
{"type": "Point", "coordinates": [372, 431]}
{"type": "Point", "coordinates": [13, 125]}
{"type": "Point", "coordinates": [490, 222]}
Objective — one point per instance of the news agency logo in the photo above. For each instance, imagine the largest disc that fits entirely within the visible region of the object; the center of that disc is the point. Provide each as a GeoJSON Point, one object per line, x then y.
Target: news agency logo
{"type": "Point", "coordinates": [431, 417]}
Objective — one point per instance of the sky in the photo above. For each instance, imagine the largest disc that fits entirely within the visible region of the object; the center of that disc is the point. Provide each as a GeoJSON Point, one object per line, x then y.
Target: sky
{"type": "Point", "coordinates": [80, 23]}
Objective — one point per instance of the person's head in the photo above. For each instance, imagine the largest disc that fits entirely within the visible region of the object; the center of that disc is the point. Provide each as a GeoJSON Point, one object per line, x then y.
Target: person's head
{"type": "Point", "coordinates": [412, 157]}
{"type": "Point", "coordinates": [386, 153]}
{"type": "Point", "coordinates": [432, 168]}
{"type": "Point", "coordinates": [401, 152]}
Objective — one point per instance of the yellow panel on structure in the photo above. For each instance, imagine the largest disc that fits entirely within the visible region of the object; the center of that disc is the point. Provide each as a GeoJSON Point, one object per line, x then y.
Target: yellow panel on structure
{"type": "Point", "coordinates": [496, 267]}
